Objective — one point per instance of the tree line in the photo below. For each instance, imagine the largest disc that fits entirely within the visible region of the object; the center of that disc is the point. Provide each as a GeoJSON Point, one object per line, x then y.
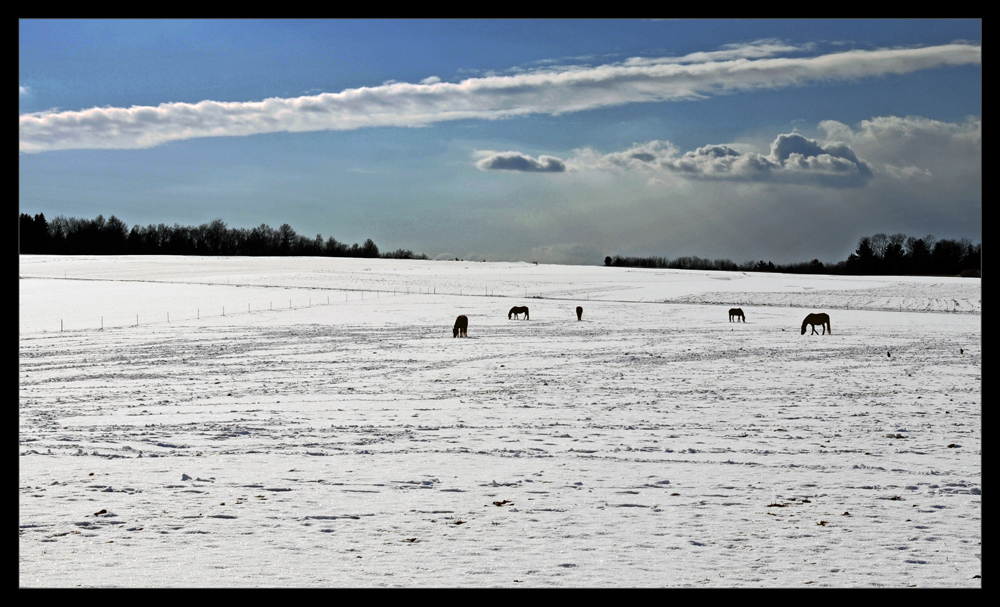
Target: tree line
{"type": "Point", "coordinates": [111, 236]}
{"type": "Point", "coordinates": [879, 254]}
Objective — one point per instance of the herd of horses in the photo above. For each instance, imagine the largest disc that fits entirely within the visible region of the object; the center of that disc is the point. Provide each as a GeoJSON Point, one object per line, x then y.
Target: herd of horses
{"type": "Point", "coordinates": [461, 327]}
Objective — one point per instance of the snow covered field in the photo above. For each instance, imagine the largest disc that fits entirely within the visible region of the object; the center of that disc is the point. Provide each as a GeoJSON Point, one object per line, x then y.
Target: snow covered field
{"type": "Point", "coordinates": [327, 430]}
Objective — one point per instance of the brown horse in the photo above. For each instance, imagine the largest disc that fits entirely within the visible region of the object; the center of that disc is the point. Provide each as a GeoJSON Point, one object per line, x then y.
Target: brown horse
{"type": "Point", "coordinates": [736, 313]}
{"type": "Point", "coordinates": [817, 319]}
{"type": "Point", "coordinates": [461, 327]}
{"type": "Point", "coordinates": [579, 312]}
{"type": "Point", "coordinates": [516, 310]}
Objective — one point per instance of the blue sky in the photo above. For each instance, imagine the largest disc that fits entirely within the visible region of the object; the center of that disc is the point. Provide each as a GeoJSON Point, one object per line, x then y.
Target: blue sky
{"type": "Point", "coordinates": [550, 141]}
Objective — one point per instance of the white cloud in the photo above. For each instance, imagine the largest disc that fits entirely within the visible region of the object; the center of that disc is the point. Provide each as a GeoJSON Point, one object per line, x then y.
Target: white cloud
{"type": "Point", "coordinates": [897, 148]}
{"type": "Point", "coordinates": [546, 91]}
{"type": "Point", "coordinates": [728, 52]}
{"type": "Point", "coordinates": [907, 172]}
{"type": "Point", "coordinates": [904, 147]}
{"type": "Point", "coordinates": [904, 132]}
{"type": "Point", "coordinates": [793, 159]}
{"type": "Point", "coordinates": [516, 161]}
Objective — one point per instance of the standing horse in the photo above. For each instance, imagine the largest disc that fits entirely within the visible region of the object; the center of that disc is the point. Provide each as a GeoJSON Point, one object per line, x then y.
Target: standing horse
{"type": "Point", "coordinates": [736, 313]}
{"type": "Point", "coordinates": [579, 312]}
{"type": "Point", "coordinates": [518, 310]}
{"type": "Point", "coordinates": [817, 319]}
{"type": "Point", "coordinates": [461, 326]}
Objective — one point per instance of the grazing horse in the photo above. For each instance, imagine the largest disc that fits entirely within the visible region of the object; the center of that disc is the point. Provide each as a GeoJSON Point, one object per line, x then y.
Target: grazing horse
{"type": "Point", "coordinates": [579, 312]}
{"type": "Point", "coordinates": [461, 327]}
{"type": "Point", "coordinates": [736, 313]}
{"type": "Point", "coordinates": [817, 319]}
{"type": "Point", "coordinates": [518, 310]}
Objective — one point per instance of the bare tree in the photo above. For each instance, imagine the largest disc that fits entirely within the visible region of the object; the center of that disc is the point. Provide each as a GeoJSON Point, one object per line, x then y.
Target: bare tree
{"type": "Point", "coordinates": [878, 243]}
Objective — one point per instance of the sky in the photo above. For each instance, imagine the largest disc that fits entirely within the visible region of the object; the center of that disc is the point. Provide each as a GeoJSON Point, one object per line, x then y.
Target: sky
{"type": "Point", "coordinates": [556, 141]}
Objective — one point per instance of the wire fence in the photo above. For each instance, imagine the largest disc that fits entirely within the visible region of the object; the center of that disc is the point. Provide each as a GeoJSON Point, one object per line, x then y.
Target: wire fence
{"type": "Point", "coordinates": [326, 297]}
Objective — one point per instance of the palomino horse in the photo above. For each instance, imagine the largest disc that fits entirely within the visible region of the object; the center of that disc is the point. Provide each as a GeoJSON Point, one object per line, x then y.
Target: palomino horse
{"type": "Point", "coordinates": [461, 327]}
{"type": "Point", "coordinates": [518, 310]}
{"type": "Point", "coordinates": [817, 319]}
{"type": "Point", "coordinates": [736, 313]}
{"type": "Point", "coordinates": [579, 312]}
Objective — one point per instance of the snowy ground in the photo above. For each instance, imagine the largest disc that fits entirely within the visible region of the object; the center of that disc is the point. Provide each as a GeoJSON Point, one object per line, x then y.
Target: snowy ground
{"type": "Point", "coordinates": [329, 431]}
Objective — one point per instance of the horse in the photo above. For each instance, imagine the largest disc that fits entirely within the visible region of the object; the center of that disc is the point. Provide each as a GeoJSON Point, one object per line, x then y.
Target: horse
{"type": "Point", "coordinates": [461, 326]}
{"type": "Point", "coordinates": [817, 319]}
{"type": "Point", "coordinates": [579, 312]}
{"type": "Point", "coordinates": [736, 313]}
{"type": "Point", "coordinates": [518, 310]}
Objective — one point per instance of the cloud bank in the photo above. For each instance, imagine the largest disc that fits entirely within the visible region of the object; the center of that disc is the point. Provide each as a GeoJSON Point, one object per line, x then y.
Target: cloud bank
{"type": "Point", "coordinates": [740, 201]}
{"type": "Point", "coordinates": [793, 159]}
{"type": "Point", "coordinates": [544, 91]}
{"type": "Point", "coordinates": [890, 147]}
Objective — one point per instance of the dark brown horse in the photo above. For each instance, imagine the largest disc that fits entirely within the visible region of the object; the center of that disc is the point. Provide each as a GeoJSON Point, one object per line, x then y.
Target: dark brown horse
{"type": "Point", "coordinates": [461, 327]}
{"type": "Point", "coordinates": [579, 312]}
{"type": "Point", "coordinates": [817, 319]}
{"type": "Point", "coordinates": [516, 310]}
{"type": "Point", "coordinates": [736, 313]}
